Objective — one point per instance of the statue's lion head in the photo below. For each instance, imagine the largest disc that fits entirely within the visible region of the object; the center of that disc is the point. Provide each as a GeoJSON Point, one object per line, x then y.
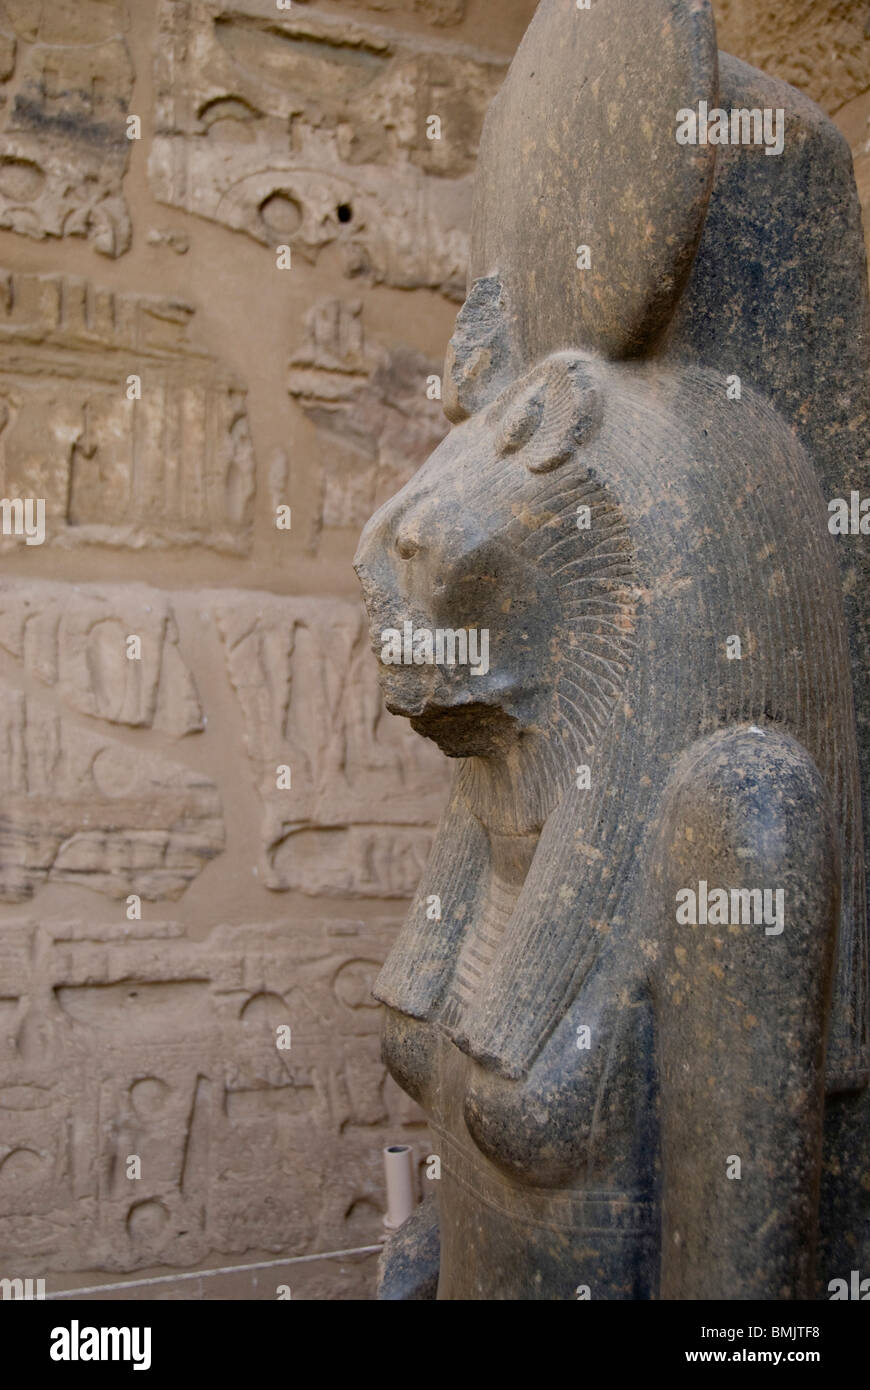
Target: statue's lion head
{"type": "Point", "coordinates": [509, 534]}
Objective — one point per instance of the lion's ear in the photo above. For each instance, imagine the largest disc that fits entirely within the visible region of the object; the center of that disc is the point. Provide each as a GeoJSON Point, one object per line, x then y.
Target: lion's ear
{"type": "Point", "coordinates": [480, 362]}
{"type": "Point", "coordinates": [548, 414]}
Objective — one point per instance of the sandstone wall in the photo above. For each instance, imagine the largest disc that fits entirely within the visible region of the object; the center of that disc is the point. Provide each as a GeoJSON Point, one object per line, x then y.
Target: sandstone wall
{"type": "Point", "coordinates": [170, 391]}
{"type": "Point", "coordinates": [820, 46]}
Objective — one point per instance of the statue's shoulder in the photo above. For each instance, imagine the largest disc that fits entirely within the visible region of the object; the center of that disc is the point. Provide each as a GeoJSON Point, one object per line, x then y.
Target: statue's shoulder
{"type": "Point", "coordinates": [758, 768]}
{"type": "Point", "coordinates": [748, 850]}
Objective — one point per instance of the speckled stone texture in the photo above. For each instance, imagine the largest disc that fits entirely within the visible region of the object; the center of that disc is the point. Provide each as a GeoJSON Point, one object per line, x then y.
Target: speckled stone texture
{"type": "Point", "coordinates": [631, 993]}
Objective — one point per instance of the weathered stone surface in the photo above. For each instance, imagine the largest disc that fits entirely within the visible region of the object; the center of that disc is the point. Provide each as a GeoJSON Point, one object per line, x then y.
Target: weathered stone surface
{"type": "Point", "coordinates": [804, 198]}
{"type": "Point", "coordinates": [66, 79]}
{"type": "Point", "coordinates": [632, 1097]}
{"type": "Point", "coordinates": [176, 241]}
{"type": "Point", "coordinates": [434, 11]}
{"type": "Point", "coordinates": [372, 405]}
{"type": "Point", "coordinates": [165, 1048]}
{"type": "Point", "coordinates": [306, 130]}
{"type": "Point", "coordinates": [853, 120]}
{"type": "Point", "coordinates": [823, 49]}
{"type": "Point", "coordinates": [84, 809]}
{"type": "Point", "coordinates": [357, 819]}
{"type": "Point", "coordinates": [75, 639]}
{"type": "Point", "coordinates": [174, 467]}
{"type": "Point", "coordinates": [264, 119]}
{"type": "Point", "coordinates": [347, 1278]}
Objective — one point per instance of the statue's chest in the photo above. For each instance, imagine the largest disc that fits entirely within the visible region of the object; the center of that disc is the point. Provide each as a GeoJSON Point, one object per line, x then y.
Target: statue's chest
{"type": "Point", "coordinates": [580, 1116]}
{"type": "Point", "coordinates": [583, 1116]}
{"type": "Point", "coordinates": [551, 1185]}
{"type": "Point", "coordinates": [575, 1115]}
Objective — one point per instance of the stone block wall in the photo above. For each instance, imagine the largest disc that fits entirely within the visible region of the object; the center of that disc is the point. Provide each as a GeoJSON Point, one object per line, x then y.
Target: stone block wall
{"type": "Point", "coordinates": [232, 246]}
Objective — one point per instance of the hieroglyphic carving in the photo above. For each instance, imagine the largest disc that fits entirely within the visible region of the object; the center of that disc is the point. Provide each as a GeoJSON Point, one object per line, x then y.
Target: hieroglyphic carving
{"type": "Point", "coordinates": [357, 819]}
{"type": "Point", "coordinates": [822, 49]}
{"type": "Point", "coordinates": [75, 640]}
{"type": "Point", "coordinates": [84, 809]}
{"type": "Point", "coordinates": [174, 467]}
{"type": "Point", "coordinates": [439, 12]}
{"type": "Point", "coordinates": [66, 80]}
{"type": "Point", "coordinates": [372, 404]}
{"type": "Point", "coordinates": [133, 1040]}
{"type": "Point", "coordinates": [305, 129]}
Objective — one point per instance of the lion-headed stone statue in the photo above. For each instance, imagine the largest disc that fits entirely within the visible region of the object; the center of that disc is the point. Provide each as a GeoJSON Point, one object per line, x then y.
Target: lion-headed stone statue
{"type": "Point", "coordinates": [632, 991]}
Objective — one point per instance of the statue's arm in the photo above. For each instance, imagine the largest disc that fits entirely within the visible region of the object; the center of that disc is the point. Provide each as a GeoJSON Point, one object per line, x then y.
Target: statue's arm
{"type": "Point", "coordinates": [741, 1018]}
